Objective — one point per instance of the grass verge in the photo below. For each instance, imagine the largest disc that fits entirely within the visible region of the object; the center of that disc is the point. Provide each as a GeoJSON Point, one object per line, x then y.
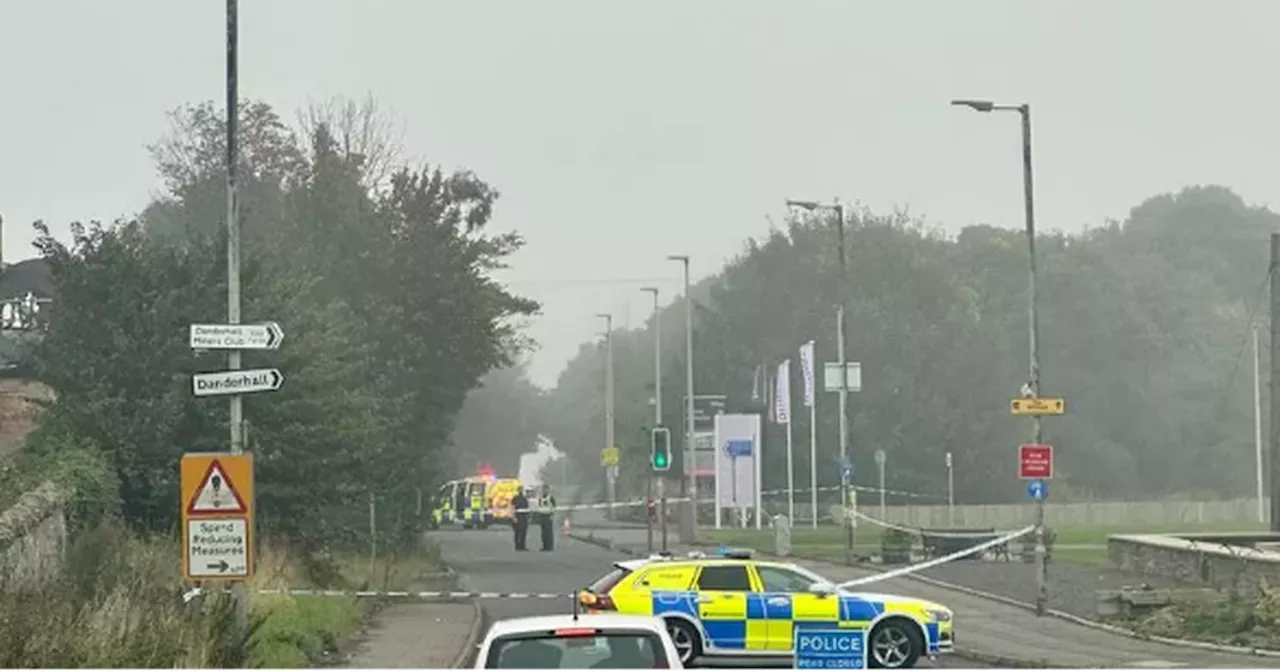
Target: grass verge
{"type": "Point", "coordinates": [299, 630]}
{"type": "Point", "coordinates": [118, 605]}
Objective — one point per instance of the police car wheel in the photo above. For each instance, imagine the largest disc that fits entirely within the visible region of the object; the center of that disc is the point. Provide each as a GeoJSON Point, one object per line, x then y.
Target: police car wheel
{"type": "Point", "coordinates": [895, 644]}
{"type": "Point", "coordinates": [685, 637]}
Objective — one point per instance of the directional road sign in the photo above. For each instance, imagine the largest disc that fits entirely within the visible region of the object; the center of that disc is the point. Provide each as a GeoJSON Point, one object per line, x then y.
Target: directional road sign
{"type": "Point", "coordinates": [265, 336]}
{"type": "Point", "coordinates": [236, 382]}
{"type": "Point", "coordinates": [1045, 406]}
{"type": "Point", "coordinates": [1038, 490]}
{"type": "Point", "coordinates": [217, 515]}
{"type": "Point", "coordinates": [831, 376]}
{"type": "Point", "coordinates": [846, 468]}
{"type": "Point", "coordinates": [830, 649]}
{"type": "Point", "coordinates": [1035, 461]}
{"type": "Point", "coordinates": [738, 448]}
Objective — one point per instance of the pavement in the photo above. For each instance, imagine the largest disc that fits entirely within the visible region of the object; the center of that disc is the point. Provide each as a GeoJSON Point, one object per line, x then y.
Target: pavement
{"type": "Point", "coordinates": [421, 635]}
{"type": "Point", "coordinates": [997, 631]}
{"type": "Point", "coordinates": [486, 561]}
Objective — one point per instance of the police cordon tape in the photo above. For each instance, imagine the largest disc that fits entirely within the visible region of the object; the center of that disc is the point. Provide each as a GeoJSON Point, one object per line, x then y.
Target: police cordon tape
{"type": "Point", "coordinates": [416, 594]}
{"type": "Point", "coordinates": [711, 500]}
{"type": "Point", "coordinates": [938, 533]}
{"type": "Point", "coordinates": [929, 564]}
{"type": "Point", "coordinates": [482, 595]}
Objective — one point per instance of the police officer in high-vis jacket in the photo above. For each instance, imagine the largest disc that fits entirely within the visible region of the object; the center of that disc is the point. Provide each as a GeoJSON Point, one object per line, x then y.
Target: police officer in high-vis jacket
{"type": "Point", "coordinates": [545, 511]}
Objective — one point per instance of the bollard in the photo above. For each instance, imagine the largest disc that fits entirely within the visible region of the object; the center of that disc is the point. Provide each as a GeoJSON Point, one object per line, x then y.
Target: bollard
{"type": "Point", "coordinates": [781, 536]}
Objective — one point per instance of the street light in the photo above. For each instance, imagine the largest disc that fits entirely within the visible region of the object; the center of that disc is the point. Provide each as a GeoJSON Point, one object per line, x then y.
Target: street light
{"type": "Point", "coordinates": [688, 392]}
{"type": "Point", "coordinates": [1024, 111]}
{"type": "Point", "coordinates": [657, 422]}
{"type": "Point", "coordinates": [841, 329]}
{"type": "Point", "coordinates": [610, 471]}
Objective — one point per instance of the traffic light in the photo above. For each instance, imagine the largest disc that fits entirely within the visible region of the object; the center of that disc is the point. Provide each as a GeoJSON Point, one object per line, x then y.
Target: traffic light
{"type": "Point", "coordinates": [660, 449]}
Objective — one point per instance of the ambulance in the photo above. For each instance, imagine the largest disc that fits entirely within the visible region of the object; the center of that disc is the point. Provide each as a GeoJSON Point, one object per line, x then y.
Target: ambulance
{"type": "Point", "coordinates": [475, 502]}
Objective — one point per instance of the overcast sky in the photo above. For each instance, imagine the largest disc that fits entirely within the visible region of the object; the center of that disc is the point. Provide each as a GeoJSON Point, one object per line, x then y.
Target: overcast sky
{"type": "Point", "coordinates": [619, 133]}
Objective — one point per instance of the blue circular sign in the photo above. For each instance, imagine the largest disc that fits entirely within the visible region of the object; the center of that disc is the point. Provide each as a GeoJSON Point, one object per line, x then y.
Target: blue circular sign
{"type": "Point", "coordinates": [1037, 490]}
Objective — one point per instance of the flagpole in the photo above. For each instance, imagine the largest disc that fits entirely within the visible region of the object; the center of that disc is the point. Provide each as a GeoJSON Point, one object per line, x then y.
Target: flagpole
{"type": "Point", "coordinates": [782, 387]}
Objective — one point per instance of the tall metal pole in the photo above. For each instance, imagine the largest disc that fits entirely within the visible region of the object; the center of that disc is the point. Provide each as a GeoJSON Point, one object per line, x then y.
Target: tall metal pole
{"type": "Point", "coordinates": [239, 594]}
{"type": "Point", "coordinates": [608, 410]}
{"type": "Point", "coordinates": [1024, 111]}
{"type": "Point", "coordinates": [951, 492]}
{"type": "Point", "coordinates": [689, 455]}
{"type": "Point", "coordinates": [657, 417]}
{"type": "Point", "coordinates": [1257, 423]}
{"type": "Point", "coordinates": [1274, 468]}
{"type": "Point", "coordinates": [842, 329]}
{"type": "Point", "coordinates": [1042, 560]}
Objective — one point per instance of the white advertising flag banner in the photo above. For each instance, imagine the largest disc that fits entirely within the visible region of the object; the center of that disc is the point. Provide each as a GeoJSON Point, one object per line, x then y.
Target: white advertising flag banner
{"type": "Point", "coordinates": [738, 441]}
{"type": "Point", "coordinates": [806, 368]}
{"type": "Point", "coordinates": [782, 394]}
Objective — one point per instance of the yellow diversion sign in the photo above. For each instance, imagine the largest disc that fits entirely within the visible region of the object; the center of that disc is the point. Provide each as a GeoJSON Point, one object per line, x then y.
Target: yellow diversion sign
{"type": "Point", "coordinates": [1042, 406]}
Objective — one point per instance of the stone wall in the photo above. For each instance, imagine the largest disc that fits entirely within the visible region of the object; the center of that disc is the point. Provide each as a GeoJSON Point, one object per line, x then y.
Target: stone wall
{"type": "Point", "coordinates": [1208, 560]}
{"type": "Point", "coordinates": [33, 537]}
{"type": "Point", "coordinates": [1014, 516]}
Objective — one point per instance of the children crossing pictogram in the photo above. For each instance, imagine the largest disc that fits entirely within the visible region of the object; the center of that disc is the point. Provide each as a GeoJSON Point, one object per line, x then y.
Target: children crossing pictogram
{"type": "Point", "coordinates": [216, 494]}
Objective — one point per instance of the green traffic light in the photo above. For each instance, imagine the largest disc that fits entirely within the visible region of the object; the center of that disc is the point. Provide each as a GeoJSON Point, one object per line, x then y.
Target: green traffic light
{"type": "Point", "coordinates": [660, 460]}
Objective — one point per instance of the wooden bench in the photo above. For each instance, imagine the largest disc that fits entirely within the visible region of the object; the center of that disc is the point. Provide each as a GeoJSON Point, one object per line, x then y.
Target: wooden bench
{"type": "Point", "coordinates": [942, 542]}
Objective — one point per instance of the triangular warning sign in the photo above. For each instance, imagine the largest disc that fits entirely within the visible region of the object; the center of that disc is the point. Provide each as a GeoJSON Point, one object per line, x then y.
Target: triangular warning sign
{"type": "Point", "coordinates": [216, 494]}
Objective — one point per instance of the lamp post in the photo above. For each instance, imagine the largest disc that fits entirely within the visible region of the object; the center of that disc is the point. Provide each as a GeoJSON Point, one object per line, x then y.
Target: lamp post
{"type": "Point", "coordinates": [689, 447]}
{"type": "Point", "coordinates": [1024, 111]}
{"type": "Point", "coordinates": [842, 312]}
{"type": "Point", "coordinates": [610, 471]}
{"type": "Point", "coordinates": [657, 422]}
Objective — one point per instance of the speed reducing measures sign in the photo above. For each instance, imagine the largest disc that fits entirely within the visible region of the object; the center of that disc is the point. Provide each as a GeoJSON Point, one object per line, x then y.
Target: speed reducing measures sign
{"type": "Point", "coordinates": [830, 649]}
{"type": "Point", "coordinates": [217, 516]}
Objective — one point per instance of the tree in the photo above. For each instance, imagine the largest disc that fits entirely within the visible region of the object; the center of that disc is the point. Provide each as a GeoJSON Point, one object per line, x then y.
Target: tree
{"type": "Point", "coordinates": [501, 420]}
{"type": "Point", "coordinates": [386, 296]}
{"type": "Point", "coordinates": [1142, 330]}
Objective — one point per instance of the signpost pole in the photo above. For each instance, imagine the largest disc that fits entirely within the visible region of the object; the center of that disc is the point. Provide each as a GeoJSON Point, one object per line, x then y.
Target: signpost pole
{"type": "Point", "coordinates": [239, 594]}
{"type": "Point", "coordinates": [880, 459]}
{"type": "Point", "coordinates": [1042, 560]}
{"type": "Point", "coordinates": [951, 492]}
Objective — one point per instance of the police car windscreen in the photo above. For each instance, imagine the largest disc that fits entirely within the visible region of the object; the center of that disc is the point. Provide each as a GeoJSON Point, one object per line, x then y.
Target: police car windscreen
{"type": "Point", "coordinates": [578, 649]}
{"type": "Point", "coordinates": [606, 583]}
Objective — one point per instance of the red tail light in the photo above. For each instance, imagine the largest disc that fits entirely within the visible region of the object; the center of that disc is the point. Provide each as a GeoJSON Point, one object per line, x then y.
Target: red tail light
{"type": "Point", "coordinates": [575, 632]}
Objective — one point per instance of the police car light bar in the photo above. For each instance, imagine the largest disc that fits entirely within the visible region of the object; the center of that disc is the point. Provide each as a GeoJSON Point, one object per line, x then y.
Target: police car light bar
{"type": "Point", "coordinates": [737, 553]}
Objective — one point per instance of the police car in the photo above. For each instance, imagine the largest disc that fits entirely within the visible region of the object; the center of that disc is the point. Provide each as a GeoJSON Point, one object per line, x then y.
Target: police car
{"type": "Point", "coordinates": [733, 605]}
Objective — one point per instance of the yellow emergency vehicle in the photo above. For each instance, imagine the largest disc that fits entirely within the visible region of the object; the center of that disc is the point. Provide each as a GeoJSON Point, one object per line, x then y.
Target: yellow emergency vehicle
{"type": "Point", "coordinates": [501, 492]}
{"type": "Point", "coordinates": [733, 605]}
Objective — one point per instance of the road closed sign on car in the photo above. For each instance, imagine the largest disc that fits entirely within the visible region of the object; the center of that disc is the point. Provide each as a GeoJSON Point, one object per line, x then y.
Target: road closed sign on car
{"type": "Point", "coordinates": [830, 649]}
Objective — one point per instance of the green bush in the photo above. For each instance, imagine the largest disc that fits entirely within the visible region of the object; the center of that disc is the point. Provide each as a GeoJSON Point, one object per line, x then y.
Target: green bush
{"type": "Point", "coordinates": [117, 605]}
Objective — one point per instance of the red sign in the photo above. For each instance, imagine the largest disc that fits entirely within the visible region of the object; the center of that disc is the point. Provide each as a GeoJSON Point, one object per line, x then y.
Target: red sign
{"type": "Point", "coordinates": [1035, 461]}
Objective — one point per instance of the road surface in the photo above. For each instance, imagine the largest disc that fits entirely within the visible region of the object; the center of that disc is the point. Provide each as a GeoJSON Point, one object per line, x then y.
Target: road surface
{"type": "Point", "coordinates": [994, 628]}
{"type": "Point", "coordinates": [486, 561]}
